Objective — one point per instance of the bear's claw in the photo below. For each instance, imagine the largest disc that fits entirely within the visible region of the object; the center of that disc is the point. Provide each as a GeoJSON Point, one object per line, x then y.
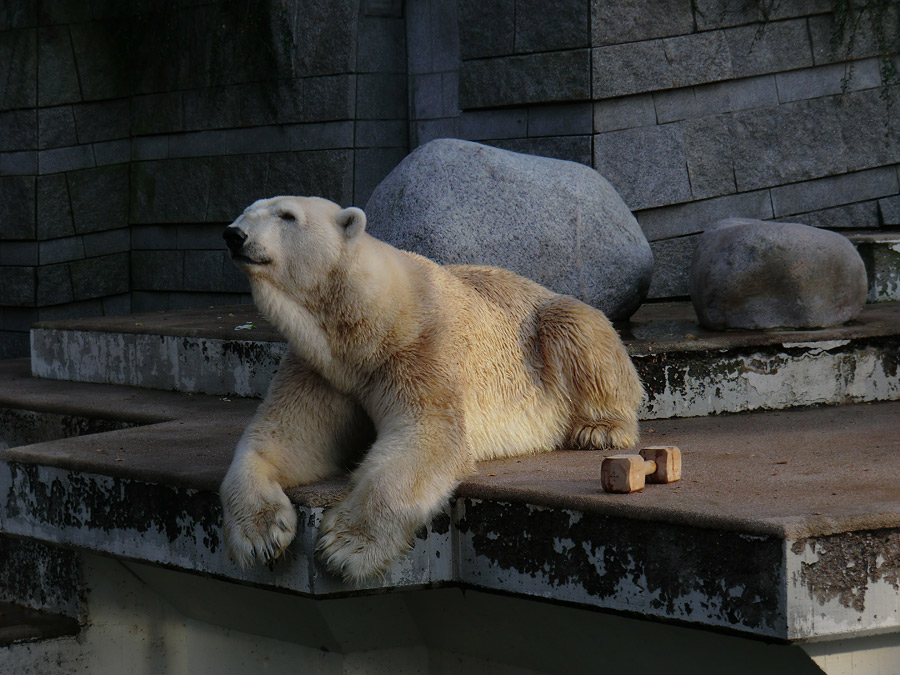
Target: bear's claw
{"type": "Point", "coordinates": [257, 530]}
{"type": "Point", "coordinates": [350, 552]}
{"type": "Point", "coordinates": [604, 434]}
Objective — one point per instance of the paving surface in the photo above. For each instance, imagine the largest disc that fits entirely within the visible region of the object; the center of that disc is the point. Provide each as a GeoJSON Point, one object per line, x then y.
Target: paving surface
{"type": "Point", "coordinates": [184, 440]}
{"type": "Point", "coordinates": [223, 323]}
{"type": "Point", "coordinates": [792, 474]}
{"type": "Point", "coordinates": [653, 328]}
{"type": "Point", "coordinates": [785, 473]}
{"type": "Point", "coordinates": [673, 327]}
{"type": "Point", "coordinates": [786, 524]}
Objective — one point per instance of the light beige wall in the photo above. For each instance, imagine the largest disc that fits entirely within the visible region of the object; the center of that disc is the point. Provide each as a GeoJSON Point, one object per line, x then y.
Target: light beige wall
{"type": "Point", "coordinates": [153, 621]}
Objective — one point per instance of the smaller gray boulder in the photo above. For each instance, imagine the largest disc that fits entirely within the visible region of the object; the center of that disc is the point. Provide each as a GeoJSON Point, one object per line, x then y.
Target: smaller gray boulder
{"type": "Point", "coordinates": [556, 222]}
{"type": "Point", "coordinates": [756, 274]}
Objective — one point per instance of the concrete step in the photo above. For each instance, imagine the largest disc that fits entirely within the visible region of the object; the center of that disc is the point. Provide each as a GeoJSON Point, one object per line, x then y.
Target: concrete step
{"type": "Point", "coordinates": [41, 600]}
{"type": "Point", "coordinates": [785, 525]}
{"type": "Point", "coordinates": [880, 252]}
{"type": "Point", "coordinates": [226, 351]}
{"type": "Point", "coordinates": [687, 371]}
{"type": "Point", "coordinates": [40, 584]}
{"type": "Point", "coordinates": [21, 624]}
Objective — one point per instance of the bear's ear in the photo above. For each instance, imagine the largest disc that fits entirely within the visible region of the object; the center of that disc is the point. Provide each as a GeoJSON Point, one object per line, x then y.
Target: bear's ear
{"type": "Point", "coordinates": [352, 220]}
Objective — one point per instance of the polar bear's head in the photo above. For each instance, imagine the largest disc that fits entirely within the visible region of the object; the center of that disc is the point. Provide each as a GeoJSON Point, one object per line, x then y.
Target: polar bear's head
{"type": "Point", "coordinates": [292, 243]}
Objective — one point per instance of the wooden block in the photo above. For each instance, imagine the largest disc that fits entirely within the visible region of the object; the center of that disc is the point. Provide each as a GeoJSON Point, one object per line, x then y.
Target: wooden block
{"type": "Point", "coordinates": [622, 473]}
{"type": "Point", "coordinates": [668, 463]}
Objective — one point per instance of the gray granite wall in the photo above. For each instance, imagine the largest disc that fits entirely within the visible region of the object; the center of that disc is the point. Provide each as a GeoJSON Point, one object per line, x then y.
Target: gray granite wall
{"type": "Point", "coordinates": [131, 132]}
{"type": "Point", "coordinates": [694, 110]}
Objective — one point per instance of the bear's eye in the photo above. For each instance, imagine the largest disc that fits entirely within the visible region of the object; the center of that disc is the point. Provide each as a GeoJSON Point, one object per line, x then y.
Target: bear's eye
{"type": "Point", "coordinates": [288, 216]}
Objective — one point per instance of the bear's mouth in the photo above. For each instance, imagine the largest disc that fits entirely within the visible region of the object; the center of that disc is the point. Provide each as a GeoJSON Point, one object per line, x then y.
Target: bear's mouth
{"type": "Point", "coordinates": [242, 259]}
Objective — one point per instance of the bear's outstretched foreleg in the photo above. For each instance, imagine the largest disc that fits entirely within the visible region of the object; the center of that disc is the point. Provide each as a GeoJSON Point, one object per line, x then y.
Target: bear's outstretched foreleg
{"type": "Point", "coordinates": [304, 431]}
{"type": "Point", "coordinates": [406, 478]}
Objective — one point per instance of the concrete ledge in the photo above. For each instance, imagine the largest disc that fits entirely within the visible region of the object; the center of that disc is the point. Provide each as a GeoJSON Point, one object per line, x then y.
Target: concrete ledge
{"type": "Point", "coordinates": [230, 351]}
{"type": "Point", "coordinates": [688, 371]}
{"type": "Point", "coordinates": [881, 253]}
{"type": "Point", "coordinates": [784, 526]}
{"type": "Point", "coordinates": [19, 624]}
{"type": "Point", "coordinates": [40, 577]}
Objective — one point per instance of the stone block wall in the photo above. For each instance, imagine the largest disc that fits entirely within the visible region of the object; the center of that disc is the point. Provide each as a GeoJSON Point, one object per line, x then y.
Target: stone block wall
{"type": "Point", "coordinates": [695, 110]}
{"type": "Point", "coordinates": [131, 133]}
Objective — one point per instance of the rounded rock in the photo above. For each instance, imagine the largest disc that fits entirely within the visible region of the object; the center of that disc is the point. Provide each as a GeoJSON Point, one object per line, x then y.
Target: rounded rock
{"type": "Point", "coordinates": [753, 274]}
{"type": "Point", "coordinates": [556, 222]}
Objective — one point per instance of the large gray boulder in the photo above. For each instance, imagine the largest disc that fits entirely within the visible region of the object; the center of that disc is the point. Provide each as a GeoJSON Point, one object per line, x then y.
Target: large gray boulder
{"type": "Point", "coordinates": [556, 222]}
{"type": "Point", "coordinates": [756, 274]}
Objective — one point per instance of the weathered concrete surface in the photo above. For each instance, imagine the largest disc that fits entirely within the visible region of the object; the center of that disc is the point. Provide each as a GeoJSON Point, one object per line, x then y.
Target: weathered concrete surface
{"type": "Point", "coordinates": [180, 440]}
{"type": "Point", "coordinates": [794, 374]}
{"type": "Point", "coordinates": [796, 498]}
{"type": "Point", "coordinates": [720, 578]}
{"type": "Point", "coordinates": [687, 369]}
{"type": "Point", "coordinates": [25, 427]}
{"type": "Point", "coordinates": [881, 254]}
{"type": "Point", "coordinates": [844, 579]}
{"type": "Point", "coordinates": [790, 474]}
{"type": "Point", "coordinates": [19, 624]}
{"type": "Point", "coordinates": [40, 577]}
{"type": "Point", "coordinates": [150, 494]}
{"type": "Point", "coordinates": [182, 527]}
{"type": "Point", "coordinates": [774, 508]}
{"type": "Point", "coordinates": [232, 351]}
{"type": "Point", "coordinates": [691, 371]}
{"type": "Point", "coordinates": [149, 620]}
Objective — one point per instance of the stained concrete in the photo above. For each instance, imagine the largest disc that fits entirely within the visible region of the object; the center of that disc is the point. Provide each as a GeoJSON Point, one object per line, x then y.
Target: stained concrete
{"type": "Point", "coordinates": [148, 620]}
{"type": "Point", "coordinates": [881, 253]}
{"type": "Point", "coordinates": [655, 327]}
{"type": "Point", "coordinates": [772, 507]}
{"type": "Point", "coordinates": [19, 624]}
{"type": "Point", "coordinates": [790, 474]}
{"type": "Point", "coordinates": [184, 440]}
{"type": "Point", "coordinates": [215, 322]}
{"type": "Point", "coordinates": [673, 327]}
{"type": "Point", "coordinates": [687, 371]}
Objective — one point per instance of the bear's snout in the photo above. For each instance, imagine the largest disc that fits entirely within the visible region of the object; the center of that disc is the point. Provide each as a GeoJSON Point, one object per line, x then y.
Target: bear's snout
{"type": "Point", "coordinates": [234, 238]}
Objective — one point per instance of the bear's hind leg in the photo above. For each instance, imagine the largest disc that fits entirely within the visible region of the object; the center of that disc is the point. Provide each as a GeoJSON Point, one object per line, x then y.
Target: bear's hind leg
{"type": "Point", "coordinates": [585, 363]}
{"type": "Point", "coordinates": [304, 431]}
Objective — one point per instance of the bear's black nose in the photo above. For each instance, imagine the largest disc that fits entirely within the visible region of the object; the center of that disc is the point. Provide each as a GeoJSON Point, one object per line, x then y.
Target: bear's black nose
{"type": "Point", "coordinates": [234, 238]}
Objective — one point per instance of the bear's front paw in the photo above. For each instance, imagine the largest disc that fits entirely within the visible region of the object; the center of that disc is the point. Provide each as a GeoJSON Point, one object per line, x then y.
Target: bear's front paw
{"type": "Point", "coordinates": [351, 549]}
{"type": "Point", "coordinates": [259, 525]}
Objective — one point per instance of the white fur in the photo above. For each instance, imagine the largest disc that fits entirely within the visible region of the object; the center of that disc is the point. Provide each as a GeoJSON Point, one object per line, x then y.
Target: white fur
{"type": "Point", "coordinates": [451, 364]}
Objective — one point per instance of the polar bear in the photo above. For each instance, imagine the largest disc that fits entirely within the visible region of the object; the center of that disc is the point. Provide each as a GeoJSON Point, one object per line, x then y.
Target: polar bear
{"type": "Point", "coordinates": [451, 364]}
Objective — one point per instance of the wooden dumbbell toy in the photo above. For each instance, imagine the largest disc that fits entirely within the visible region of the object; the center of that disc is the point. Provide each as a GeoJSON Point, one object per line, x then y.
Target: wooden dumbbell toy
{"type": "Point", "coordinates": [629, 473]}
